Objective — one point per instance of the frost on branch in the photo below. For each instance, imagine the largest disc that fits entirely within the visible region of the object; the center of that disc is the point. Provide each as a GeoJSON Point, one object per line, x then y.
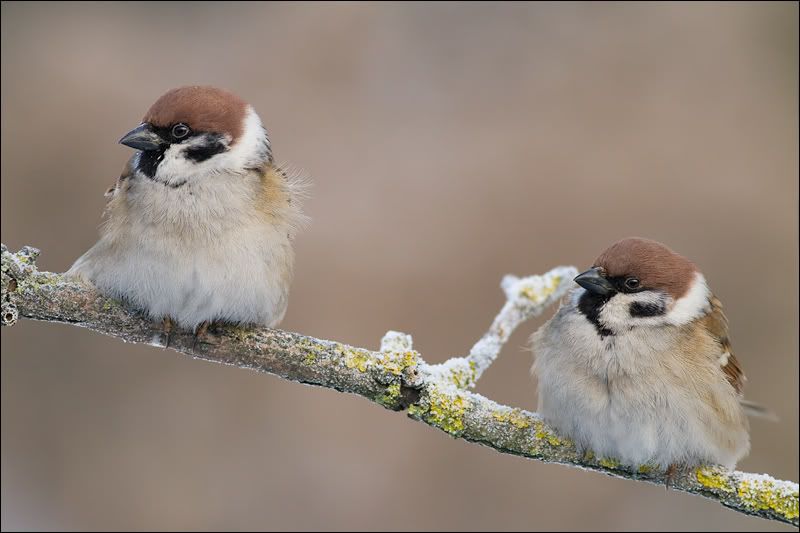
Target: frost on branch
{"type": "Point", "coordinates": [396, 376]}
{"type": "Point", "coordinates": [395, 341]}
{"type": "Point", "coordinates": [525, 298]}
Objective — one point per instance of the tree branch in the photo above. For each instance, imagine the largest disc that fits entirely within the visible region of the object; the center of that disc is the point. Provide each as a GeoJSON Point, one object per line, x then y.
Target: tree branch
{"type": "Point", "coordinates": [395, 377]}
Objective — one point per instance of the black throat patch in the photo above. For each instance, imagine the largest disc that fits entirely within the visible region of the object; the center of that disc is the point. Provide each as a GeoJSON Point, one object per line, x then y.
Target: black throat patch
{"type": "Point", "coordinates": [589, 305]}
{"type": "Point", "coordinates": [148, 163]}
{"type": "Point", "coordinates": [149, 160]}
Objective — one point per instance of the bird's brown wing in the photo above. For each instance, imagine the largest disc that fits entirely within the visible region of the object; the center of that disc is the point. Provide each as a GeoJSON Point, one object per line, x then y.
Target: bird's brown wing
{"type": "Point", "coordinates": [282, 195]}
{"type": "Point", "coordinates": [717, 325]}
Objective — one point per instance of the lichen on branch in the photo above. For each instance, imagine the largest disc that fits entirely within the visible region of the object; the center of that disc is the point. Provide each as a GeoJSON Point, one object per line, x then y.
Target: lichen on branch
{"type": "Point", "coordinates": [396, 376]}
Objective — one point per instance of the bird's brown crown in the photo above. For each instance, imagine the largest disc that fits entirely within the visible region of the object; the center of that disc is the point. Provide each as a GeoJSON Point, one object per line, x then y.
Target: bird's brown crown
{"type": "Point", "coordinates": [655, 265]}
{"type": "Point", "coordinates": [205, 109]}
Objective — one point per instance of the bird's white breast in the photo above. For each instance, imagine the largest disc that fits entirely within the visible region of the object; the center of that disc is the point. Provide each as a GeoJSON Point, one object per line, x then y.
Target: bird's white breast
{"type": "Point", "coordinates": [623, 396]}
{"type": "Point", "coordinates": [200, 252]}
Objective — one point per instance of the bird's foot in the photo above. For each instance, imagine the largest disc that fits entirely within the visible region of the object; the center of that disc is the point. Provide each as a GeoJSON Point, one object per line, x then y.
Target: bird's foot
{"type": "Point", "coordinates": [166, 329]}
{"type": "Point", "coordinates": [673, 473]}
{"type": "Point", "coordinates": [204, 334]}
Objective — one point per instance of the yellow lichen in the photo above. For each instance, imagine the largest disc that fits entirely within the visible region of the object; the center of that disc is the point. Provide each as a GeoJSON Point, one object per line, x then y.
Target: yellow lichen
{"type": "Point", "coordinates": [646, 469]}
{"type": "Point", "coordinates": [714, 478]}
{"type": "Point", "coordinates": [605, 462]}
{"type": "Point", "coordinates": [240, 333]}
{"type": "Point", "coordinates": [764, 495]}
{"type": "Point", "coordinates": [445, 411]}
{"type": "Point", "coordinates": [397, 362]}
{"type": "Point", "coordinates": [588, 455]}
{"type": "Point", "coordinates": [538, 296]}
{"type": "Point", "coordinates": [543, 433]}
{"type": "Point", "coordinates": [416, 411]}
{"type": "Point", "coordinates": [357, 359]}
{"type": "Point", "coordinates": [513, 416]}
{"type": "Point", "coordinates": [312, 349]}
{"type": "Point", "coordinates": [43, 279]}
{"type": "Point", "coordinates": [463, 378]}
{"type": "Point", "coordinates": [110, 304]}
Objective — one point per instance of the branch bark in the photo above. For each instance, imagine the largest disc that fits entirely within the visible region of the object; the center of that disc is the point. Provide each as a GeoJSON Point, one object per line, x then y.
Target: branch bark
{"type": "Point", "coordinates": [396, 376]}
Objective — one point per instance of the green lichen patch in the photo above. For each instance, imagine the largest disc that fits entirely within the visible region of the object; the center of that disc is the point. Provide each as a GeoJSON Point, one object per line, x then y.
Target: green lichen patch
{"type": "Point", "coordinates": [714, 477]}
{"type": "Point", "coordinates": [391, 397]}
{"type": "Point", "coordinates": [762, 493]}
{"type": "Point", "coordinates": [20, 265]}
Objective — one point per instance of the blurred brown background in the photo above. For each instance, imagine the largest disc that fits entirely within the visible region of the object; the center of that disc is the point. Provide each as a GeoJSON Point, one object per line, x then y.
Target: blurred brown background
{"type": "Point", "coordinates": [449, 144]}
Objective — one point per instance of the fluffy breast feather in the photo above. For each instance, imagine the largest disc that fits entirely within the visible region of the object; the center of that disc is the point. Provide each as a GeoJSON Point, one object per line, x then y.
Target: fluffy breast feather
{"type": "Point", "coordinates": [648, 394]}
{"type": "Point", "coordinates": [218, 248]}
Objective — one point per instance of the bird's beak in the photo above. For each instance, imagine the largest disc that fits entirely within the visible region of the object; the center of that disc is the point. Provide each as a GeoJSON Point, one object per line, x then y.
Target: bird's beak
{"type": "Point", "coordinates": [142, 138]}
{"type": "Point", "coordinates": [593, 281]}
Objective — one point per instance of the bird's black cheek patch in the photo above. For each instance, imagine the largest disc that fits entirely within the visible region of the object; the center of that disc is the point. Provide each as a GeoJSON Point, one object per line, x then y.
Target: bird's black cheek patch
{"type": "Point", "coordinates": [207, 150]}
{"type": "Point", "coordinates": [643, 310]}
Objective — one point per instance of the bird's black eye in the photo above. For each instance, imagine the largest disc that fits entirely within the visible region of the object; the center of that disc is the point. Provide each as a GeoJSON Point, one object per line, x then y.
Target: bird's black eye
{"type": "Point", "coordinates": [632, 284]}
{"type": "Point", "coordinates": [179, 131]}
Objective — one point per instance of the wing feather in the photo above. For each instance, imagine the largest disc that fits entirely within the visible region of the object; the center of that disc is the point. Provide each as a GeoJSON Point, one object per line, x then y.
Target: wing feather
{"type": "Point", "coordinates": [717, 325]}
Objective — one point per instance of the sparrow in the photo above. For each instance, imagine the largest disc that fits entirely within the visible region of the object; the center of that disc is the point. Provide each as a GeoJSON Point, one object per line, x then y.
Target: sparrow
{"type": "Point", "coordinates": [637, 365]}
{"type": "Point", "coordinates": [199, 227]}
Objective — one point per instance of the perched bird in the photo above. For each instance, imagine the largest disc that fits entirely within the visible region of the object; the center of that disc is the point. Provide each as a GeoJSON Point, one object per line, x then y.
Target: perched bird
{"type": "Point", "coordinates": [636, 365]}
{"type": "Point", "coordinates": [199, 226]}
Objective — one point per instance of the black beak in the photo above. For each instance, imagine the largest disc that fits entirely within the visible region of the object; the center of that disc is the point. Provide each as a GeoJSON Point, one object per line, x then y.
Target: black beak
{"type": "Point", "coordinates": [593, 281]}
{"type": "Point", "coordinates": [142, 138]}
